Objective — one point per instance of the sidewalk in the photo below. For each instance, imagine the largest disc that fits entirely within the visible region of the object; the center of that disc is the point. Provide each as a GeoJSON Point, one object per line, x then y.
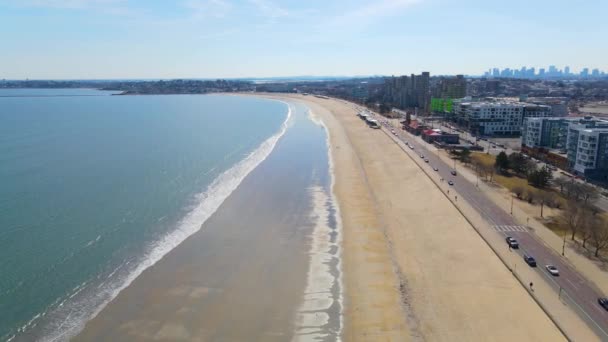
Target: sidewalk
{"type": "Point", "coordinates": [586, 267]}
{"type": "Point", "coordinates": [559, 309]}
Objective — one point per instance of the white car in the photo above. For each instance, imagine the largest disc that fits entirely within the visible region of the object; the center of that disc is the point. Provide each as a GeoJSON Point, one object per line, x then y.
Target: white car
{"type": "Point", "coordinates": [552, 269]}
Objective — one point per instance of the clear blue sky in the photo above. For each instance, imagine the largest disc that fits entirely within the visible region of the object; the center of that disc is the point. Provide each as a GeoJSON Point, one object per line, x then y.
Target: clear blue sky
{"type": "Point", "coordinates": [255, 38]}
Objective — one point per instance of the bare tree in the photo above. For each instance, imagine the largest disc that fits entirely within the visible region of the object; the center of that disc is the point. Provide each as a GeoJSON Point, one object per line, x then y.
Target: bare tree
{"type": "Point", "coordinates": [572, 216]}
{"type": "Point", "coordinates": [588, 224]}
{"type": "Point", "coordinates": [588, 192]}
{"type": "Point", "coordinates": [599, 236]}
{"type": "Point", "coordinates": [545, 197]}
{"type": "Point", "coordinates": [561, 183]}
{"type": "Point", "coordinates": [518, 191]}
{"type": "Point", "coordinates": [530, 196]}
{"type": "Point", "coordinates": [488, 172]}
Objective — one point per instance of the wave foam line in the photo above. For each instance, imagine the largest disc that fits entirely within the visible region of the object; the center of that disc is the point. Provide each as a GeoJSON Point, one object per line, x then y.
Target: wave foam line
{"type": "Point", "coordinates": [208, 202]}
{"type": "Point", "coordinates": [312, 315]}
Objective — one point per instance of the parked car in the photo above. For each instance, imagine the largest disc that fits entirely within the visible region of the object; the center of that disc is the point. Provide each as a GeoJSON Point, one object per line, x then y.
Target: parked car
{"type": "Point", "coordinates": [530, 260]}
{"type": "Point", "coordinates": [453, 172]}
{"type": "Point", "coordinates": [552, 270]}
{"type": "Point", "coordinates": [426, 160]}
{"type": "Point", "coordinates": [603, 302]}
{"type": "Point", "coordinates": [422, 156]}
{"type": "Point", "coordinates": [435, 169]}
{"type": "Point", "coordinates": [512, 242]}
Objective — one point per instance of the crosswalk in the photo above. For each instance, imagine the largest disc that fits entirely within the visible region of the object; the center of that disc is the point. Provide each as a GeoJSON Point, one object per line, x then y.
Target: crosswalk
{"type": "Point", "coordinates": [510, 228]}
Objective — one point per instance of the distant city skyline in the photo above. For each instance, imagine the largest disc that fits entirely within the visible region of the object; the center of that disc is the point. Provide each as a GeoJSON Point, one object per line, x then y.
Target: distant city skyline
{"type": "Point", "coordinates": [131, 39]}
{"type": "Point", "coordinates": [551, 71]}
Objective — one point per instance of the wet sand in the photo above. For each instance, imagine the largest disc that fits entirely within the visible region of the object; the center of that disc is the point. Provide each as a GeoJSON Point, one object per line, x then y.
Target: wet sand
{"type": "Point", "coordinates": [244, 275]}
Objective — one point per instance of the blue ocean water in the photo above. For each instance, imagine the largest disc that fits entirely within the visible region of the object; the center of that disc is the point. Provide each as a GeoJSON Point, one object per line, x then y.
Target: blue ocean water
{"type": "Point", "coordinates": [95, 188]}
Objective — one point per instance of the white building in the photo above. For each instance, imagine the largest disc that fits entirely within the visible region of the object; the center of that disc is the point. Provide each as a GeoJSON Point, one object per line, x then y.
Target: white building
{"type": "Point", "coordinates": [587, 149]}
{"type": "Point", "coordinates": [497, 117]}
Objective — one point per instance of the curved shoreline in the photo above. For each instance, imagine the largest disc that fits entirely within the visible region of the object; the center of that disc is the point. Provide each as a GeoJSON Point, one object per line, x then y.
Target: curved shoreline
{"type": "Point", "coordinates": [209, 201]}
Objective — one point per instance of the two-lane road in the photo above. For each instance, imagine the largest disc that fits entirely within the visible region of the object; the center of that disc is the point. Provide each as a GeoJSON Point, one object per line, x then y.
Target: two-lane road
{"type": "Point", "coordinates": [570, 285]}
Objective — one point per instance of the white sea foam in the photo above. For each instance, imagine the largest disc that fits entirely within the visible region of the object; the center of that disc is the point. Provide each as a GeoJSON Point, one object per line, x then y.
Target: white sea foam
{"type": "Point", "coordinates": [207, 203]}
{"type": "Point", "coordinates": [313, 316]}
{"type": "Point", "coordinates": [318, 297]}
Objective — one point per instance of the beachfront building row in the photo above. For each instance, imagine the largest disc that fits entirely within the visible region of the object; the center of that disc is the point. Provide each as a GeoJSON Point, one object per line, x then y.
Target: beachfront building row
{"type": "Point", "coordinates": [583, 142]}
{"type": "Point", "coordinates": [405, 92]}
{"type": "Point", "coordinates": [495, 117]}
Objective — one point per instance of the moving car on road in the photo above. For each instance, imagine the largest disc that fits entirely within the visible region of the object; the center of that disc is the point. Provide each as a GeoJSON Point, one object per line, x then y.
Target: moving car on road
{"type": "Point", "coordinates": [530, 260]}
{"type": "Point", "coordinates": [426, 160]}
{"type": "Point", "coordinates": [450, 183]}
{"type": "Point", "coordinates": [435, 169]}
{"type": "Point", "coordinates": [453, 172]}
{"type": "Point", "coordinates": [512, 242]}
{"type": "Point", "coordinates": [553, 270]}
{"type": "Point", "coordinates": [603, 302]}
{"type": "Point", "coordinates": [422, 156]}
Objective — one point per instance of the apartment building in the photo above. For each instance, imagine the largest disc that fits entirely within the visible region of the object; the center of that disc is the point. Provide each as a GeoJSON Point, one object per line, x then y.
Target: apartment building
{"type": "Point", "coordinates": [588, 149]}
{"type": "Point", "coordinates": [409, 91]}
{"type": "Point", "coordinates": [496, 117]}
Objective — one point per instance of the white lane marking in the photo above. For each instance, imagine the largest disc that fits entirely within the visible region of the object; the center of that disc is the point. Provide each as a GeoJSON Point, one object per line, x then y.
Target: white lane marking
{"type": "Point", "coordinates": [573, 284]}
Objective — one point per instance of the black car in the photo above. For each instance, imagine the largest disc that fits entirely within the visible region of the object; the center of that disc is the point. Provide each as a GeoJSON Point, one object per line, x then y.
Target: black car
{"type": "Point", "coordinates": [603, 302]}
{"type": "Point", "coordinates": [512, 242]}
{"type": "Point", "coordinates": [530, 260]}
{"type": "Point", "coordinates": [453, 172]}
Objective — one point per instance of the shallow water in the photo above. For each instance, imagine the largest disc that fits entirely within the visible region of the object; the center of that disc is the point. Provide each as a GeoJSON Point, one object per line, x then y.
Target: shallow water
{"type": "Point", "coordinates": [94, 189]}
{"type": "Point", "coordinates": [264, 267]}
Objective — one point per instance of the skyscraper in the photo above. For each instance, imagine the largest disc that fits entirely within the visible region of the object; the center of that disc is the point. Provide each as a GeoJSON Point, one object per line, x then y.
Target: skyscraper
{"type": "Point", "coordinates": [567, 70]}
{"type": "Point", "coordinates": [541, 72]}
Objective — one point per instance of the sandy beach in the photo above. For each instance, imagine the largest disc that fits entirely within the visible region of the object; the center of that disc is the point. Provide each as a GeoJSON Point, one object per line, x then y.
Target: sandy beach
{"type": "Point", "coordinates": [405, 266]}
{"type": "Point", "coordinates": [414, 269]}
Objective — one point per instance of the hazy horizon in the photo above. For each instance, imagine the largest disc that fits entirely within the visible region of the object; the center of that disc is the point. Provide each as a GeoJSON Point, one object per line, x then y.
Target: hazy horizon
{"type": "Point", "coordinates": [209, 39]}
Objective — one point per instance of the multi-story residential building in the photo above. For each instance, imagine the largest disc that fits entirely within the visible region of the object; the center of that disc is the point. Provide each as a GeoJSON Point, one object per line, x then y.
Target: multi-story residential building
{"type": "Point", "coordinates": [490, 118]}
{"type": "Point", "coordinates": [587, 145]}
{"type": "Point", "coordinates": [584, 140]}
{"type": "Point", "coordinates": [451, 87]}
{"type": "Point", "coordinates": [496, 116]}
{"type": "Point", "coordinates": [535, 111]}
{"type": "Point", "coordinates": [550, 132]}
{"type": "Point", "coordinates": [559, 105]}
{"type": "Point", "coordinates": [409, 91]}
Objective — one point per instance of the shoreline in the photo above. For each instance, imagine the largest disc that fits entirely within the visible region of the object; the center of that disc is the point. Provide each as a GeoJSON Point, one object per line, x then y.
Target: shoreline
{"type": "Point", "coordinates": [395, 263]}
{"type": "Point", "coordinates": [208, 201]}
{"type": "Point", "coordinates": [218, 285]}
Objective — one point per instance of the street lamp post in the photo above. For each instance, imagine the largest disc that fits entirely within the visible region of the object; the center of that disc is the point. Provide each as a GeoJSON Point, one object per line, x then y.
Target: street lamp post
{"type": "Point", "coordinates": [511, 204]}
{"type": "Point", "coordinates": [564, 246]}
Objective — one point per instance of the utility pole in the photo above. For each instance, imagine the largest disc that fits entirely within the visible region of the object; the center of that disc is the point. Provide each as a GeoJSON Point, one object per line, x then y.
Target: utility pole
{"type": "Point", "coordinates": [511, 204]}
{"type": "Point", "coordinates": [564, 246]}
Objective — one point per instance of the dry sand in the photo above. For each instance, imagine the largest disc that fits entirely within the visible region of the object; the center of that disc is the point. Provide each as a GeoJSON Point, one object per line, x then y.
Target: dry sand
{"type": "Point", "coordinates": [414, 269]}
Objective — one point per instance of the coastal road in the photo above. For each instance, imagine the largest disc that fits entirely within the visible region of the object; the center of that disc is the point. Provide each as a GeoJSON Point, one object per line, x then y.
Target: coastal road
{"type": "Point", "coordinates": [569, 285]}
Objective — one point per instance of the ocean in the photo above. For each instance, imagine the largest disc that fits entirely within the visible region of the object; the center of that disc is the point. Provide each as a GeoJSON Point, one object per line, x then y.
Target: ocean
{"type": "Point", "coordinates": [95, 189]}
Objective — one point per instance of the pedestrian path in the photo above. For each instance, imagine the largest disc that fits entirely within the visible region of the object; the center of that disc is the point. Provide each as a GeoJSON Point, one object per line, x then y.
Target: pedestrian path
{"type": "Point", "coordinates": [510, 228]}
